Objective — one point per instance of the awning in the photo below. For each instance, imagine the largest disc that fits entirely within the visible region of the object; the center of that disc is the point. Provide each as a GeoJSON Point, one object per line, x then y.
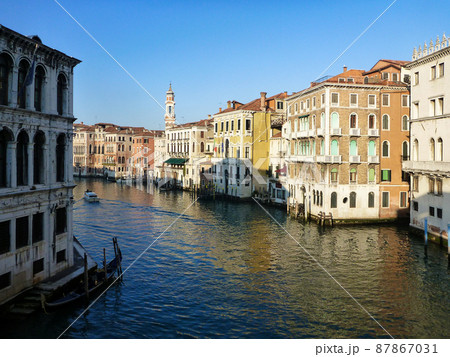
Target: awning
{"type": "Point", "coordinates": [303, 116]}
{"type": "Point", "coordinates": [175, 161]}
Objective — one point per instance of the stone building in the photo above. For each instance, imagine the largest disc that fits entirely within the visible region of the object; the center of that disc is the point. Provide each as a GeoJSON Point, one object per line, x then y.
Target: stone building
{"type": "Point", "coordinates": [429, 164]}
{"type": "Point", "coordinates": [346, 136]}
{"type": "Point", "coordinates": [36, 116]}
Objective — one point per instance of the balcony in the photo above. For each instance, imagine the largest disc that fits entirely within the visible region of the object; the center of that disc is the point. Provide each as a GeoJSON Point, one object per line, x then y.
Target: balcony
{"type": "Point", "coordinates": [354, 159]}
{"type": "Point", "coordinates": [277, 122]}
{"type": "Point", "coordinates": [355, 132]}
{"type": "Point", "coordinates": [374, 159]}
{"type": "Point", "coordinates": [320, 132]}
{"type": "Point", "coordinates": [312, 132]}
{"type": "Point", "coordinates": [336, 131]}
{"type": "Point", "coordinates": [330, 159]}
{"type": "Point", "coordinates": [248, 133]}
{"type": "Point", "coordinates": [374, 132]}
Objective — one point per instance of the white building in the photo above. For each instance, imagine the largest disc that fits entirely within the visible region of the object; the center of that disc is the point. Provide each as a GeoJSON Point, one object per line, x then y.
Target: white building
{"type": "Point", "coordinates": [36, 116]}
{"type": "Point", "coordinates": [430, 132]}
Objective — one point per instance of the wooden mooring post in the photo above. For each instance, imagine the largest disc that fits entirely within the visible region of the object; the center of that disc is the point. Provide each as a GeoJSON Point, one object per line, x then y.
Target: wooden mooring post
{"type": "Point", "coordinates": [86, 277]}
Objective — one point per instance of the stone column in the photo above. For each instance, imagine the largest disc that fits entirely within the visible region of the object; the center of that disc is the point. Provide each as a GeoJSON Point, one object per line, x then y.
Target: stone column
{"type": "Point", "coordinates": [12, 164]}
{"type": "Point", "coordinates": [30, 164]}
{"type": "Point", "coordinates": [29, 96]}
{"type": "Point", "coordinates": [48, 242]}
{"type": "Point", "coordinates": [45, 163]}
{"type": "Point", "coordinates": [14, 89]}
{"type": "Point", "coordinates": [68, 152]}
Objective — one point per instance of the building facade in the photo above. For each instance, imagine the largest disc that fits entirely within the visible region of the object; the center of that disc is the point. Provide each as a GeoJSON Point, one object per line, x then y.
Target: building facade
{"type": "Point", "coordinates": [429, 164]}
{"type": "Point", "coordinates": [36, 117]}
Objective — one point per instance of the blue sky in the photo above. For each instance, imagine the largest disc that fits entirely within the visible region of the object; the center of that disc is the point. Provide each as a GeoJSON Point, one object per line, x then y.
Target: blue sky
{"type": "Point", "coordinates": [214, 51]}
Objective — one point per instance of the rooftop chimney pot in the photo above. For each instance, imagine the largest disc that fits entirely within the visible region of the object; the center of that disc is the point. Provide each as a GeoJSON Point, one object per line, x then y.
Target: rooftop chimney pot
{"type": "Point", "coordinates": [263, 101]}
{"type": "Point", "coordinates": [345, 68]}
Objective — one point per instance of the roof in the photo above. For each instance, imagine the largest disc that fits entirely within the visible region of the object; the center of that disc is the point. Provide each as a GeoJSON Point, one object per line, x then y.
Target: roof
{"type": "Point", "coordinates": [383, 64]}
{"type": "Point", "coordinates": [277, 135]}
{"type": "Point", "coordinates": [254, 105]}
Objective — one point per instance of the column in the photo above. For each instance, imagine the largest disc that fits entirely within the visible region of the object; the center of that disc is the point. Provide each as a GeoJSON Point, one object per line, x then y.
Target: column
{"type": "Point", "coordinates": [29, 96]}
{"type": "Point", "coordinates": [30, 164]}
{"type": "Point", "coordinates": [68, 159]}
{"type": "Point", "coordinates": [12, 164]}
{"type": "Point", "coordinates": [46, 162]}
{"type": "Point", "coordinates": [14, 84]}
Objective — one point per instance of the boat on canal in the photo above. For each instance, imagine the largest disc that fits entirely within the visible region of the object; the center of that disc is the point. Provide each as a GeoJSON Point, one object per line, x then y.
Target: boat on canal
{"type": "Point", "coordinates": [91, 196]}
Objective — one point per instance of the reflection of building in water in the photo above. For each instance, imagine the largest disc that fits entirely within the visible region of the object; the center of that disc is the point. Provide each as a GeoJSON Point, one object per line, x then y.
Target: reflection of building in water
{"type": "Point", "coordinates": [36, 116]}
{"type": "Point", "coordinates": [429, 164]}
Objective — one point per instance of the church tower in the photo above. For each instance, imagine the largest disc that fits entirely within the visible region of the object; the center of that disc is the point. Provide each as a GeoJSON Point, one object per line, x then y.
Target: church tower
{"type": "Point", "coordinates": [169, 117]}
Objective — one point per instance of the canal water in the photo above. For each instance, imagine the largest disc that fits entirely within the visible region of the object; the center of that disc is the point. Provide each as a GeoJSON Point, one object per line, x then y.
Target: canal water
{"type": "Point", "coordinates": [227, 270]}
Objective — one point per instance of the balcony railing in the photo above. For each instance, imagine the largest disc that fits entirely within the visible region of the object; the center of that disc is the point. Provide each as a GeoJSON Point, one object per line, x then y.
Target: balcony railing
{"type": "Point", "coordinates": [354, 159]}
{"type": "Point", "coordinates": [373, 159]}
{"type": "Point", "coordinates": [374, 132]}
{"type": "Point", "coordinates": [330, 159]}
{"type": "Point", "coordinates": [320, 132]}
{"type": "Point", "coordinates": [355, 132]}
{"type": "Point", "coordinates": [336, 131]}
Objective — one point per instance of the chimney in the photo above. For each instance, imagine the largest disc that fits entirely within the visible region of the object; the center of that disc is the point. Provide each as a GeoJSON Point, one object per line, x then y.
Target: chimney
{"type": "Point", "coordinates": [263, 101]}
{"type": "Point", "coordinates": [285, 93]}
{"type": "Point", "coordinates": [229, 104]}
{"type": "Point", "coordinates": [220, 110]}
{"type": "Point", "coordinates": [345, 69]}
{"type": "Point", "coordinates": [209, 116]}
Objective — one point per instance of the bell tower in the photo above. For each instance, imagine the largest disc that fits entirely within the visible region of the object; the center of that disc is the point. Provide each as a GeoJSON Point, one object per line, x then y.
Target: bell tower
{"type": "Point", "coordinates": [169, 117]}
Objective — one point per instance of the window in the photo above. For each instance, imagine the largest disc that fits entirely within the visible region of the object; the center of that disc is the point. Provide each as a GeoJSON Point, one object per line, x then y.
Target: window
{"type": "Point", "coordinates": [403, 199]}
{"type": "Point", "coordinates": [314, 102]}
{"type": "Point", "coordinates": [334, 120]}
{"type": "Point", "coordinates": [334, 147]}
{"type": "Point", "coordinates": [385, 76]}
{"type": "Point", "coordinates": [38, 266]}
{"type": "Point", "coordinates": [385, 175]}
{"type": "Point", "coordinates": [39, 79]}
{"type": "Point", "coordinates": [385, 101]}
{"type": "Point", "coordinates": [432, 150]}
{"type": "Point", "coordinates": [433, 72]}
{"type": "Point", "coordinates": [405, 100]}
{"type": "Point", "coordinates": [395, 77]}
{"type": "Point", "coordinates": [352, 199]}
{"type": "Point", "coordinates": [226, 126]}
{"type": "Point", "coordinates": [431, 211]}
{"type": "Point", "coordinates": [248, 124]}
{"type": "Point", "coordinates": [405, 123]}
{"type": "Point", "coordinates": [22, 158]}
{"type": "Point", "coordinates": [371, 121]}
{"type": "Point", "coordinates": [322, 99]}
{"type": "Point", "coordinates": [440, 106]}
{"type": "Point", "coordinates": [61, 256]}
{"type": "Point", "coordinates": [232, 127]}
{"type": "Point", "coordinates": [60, 157]}
{"type": "Point", "coordinates": [334, 175]}
{"type": "Point", "coordinates": [61, 220]}
{"type": "Point", "coordinates": [61, 94]}
{"type": "Point", "coordinates": [431, 185]}
{"type": "Point", "coordinates": [432, 107]}
{"type": "Point", "coordinates": [353, 148]}
{"type": "Point", "coordinates": [335, 99]}
{"type": "Point", "coordinates": [416, 110]}
{"type": "Point", "coordinates": [441, 69]}
{"type": "Point", "coordinates": [371, 200]}
{"type": "Point", "coordinates": [385, 148]}
{"type": "Point", "coordinates": [385, 199]}
{"type": "Point", "coordinates": [415, 206]}
{"type": "Point", "coordinates": [405, 150]}
{"type": "Point", "coordinates": [416, 150]}
{"type": "Point", "coordinates": [440, 150]}
{"type": "Point", "coordinates": [221, 126]}
{"type": "Point", "coordinates": [21, 232]}
{"type": "Point", "coordinates": [371, 175]}
{"type": "Point", "coordinates": [353, 175]}
{"type": "Point", "coordinates": [5, 237]}
{"type": "Point", "coordinates": [38, 227]}
{"type": "Point", "coordinates": [439, 213]}
{"type": "Point", "coordinates": [350, 80]}
{"type": "Point", "coordinates": [416, 78]}
{"type": "Point", "coordinates": [385, 122]}
{"type": "Point", "coordinates": [247, 152]}
{"type": "Point", "coordinates": [415, 183]}
{"type": "Point", "coordinates": [215, 128]}
{"type": "Point", "coordinates": [5, 280]}
{"type": "Point", "coordinates": [279, 105]}
{"type": "Point", "coordinates": [372, 100]}
{"type": "Point", "coordinates": [239, 124]}
{"type": "Point", "coordinates": [353, 100]}
{"type": "Point", "coordinates": [353, 121]}
{"type": "Point", "coordinates": [5, 78]}
{"type": "Point", "coordinates": [21, 88]}
{"type": "Point", "coordinates": [333, 200]}
{"type": "Point", "coordinates": [307, 103]}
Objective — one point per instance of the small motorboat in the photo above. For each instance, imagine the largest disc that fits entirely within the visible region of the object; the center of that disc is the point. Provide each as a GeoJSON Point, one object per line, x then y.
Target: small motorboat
{"type": "Point", "coordinates": [91, 196]}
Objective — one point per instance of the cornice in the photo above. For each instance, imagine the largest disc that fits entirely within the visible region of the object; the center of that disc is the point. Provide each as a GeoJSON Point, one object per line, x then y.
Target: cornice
{"type": "Point", "coordinates": [429, 58]}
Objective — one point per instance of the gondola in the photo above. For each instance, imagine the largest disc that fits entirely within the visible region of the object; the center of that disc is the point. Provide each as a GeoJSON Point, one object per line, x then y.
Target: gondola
{"type": "Point", "coordinates": [96, 284]}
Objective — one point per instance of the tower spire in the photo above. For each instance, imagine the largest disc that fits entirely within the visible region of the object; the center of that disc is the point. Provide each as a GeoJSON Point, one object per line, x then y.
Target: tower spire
{"type": "Point", "coordinates": [169, 117]}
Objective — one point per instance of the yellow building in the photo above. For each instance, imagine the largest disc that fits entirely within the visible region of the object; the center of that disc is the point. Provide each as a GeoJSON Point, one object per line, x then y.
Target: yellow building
{"type": "Point", "coordinates": [241, 145]}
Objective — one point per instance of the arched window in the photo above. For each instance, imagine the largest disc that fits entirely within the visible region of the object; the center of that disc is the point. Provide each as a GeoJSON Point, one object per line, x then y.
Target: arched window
{"type": "Point", "coordinates": [371, 200]}
{"type": "Point", "coordinates": [371, 175]}
{"type": "Point", "coordinates": [5, 78]}
{"type": "Point", "coordinates": [103, 149]}
{"type": "Point", "coordinates": [352, 199]}
{"type": "Point", "coordinates": [313, 124]}
{"type": "Point", "coordinates": [314, 196]}
{"type": "Point", "coordinates": [366, 80]}
{"type": "Point", "coordinates": [39, 80]}
{"type": "Point", "coordinates": [60, 157]}
{"type": "Point", "coordinates": [22, 158]}
{"type": "Point", "coordinates": [385, 149]}
{"type": "Point", "coordinates": [385, 122]}
{"type": "Point", "coordinates": [202, 147]}
{"type": "Point", "coordinates": [334, 175]}
{"type": "Point", "coordinates": [353, 175]}
{"type": "Point", "coordinates": [353, 121]}
{"type": "Point", "coordinates": [333, 203]}
{"type": "Point", "coordinates": [405, 122]}
{"type": "Point", "coordinates": [353, 148]}
{"type": "Point", "coordinates": [432, 150]}
{"type": "Point", "coordinates": [38, 160]}
{"type": "Point", "coordinates": [334, 147]}
{"type": "Point", "coordinates": [322, 147]}
{"type": "Point", "coordinates": [24, 66]}
{"type": "Point", "coordinates": [61, 94]}
{"type": "Point", "coordinates": [322, 120]}
{"type": "Point", "coordinates": [334, 120]}
{"type": "Point", "coordinates": [405, 150]}
{"type": "Point", "coordinates": [5, 139]}
{"type": "Point", "coordinates": [371, 148]}
{"type": "Point", "coordinates": [227, 147]}
{"type": "Point", "coordinates": [321, 198]}
{"type": "Point", "coordinates": [440, 150]}
{"type": "Point", "coordinates": [371, 121]}
{"type": "Point", "coordinates": [416, 150]}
